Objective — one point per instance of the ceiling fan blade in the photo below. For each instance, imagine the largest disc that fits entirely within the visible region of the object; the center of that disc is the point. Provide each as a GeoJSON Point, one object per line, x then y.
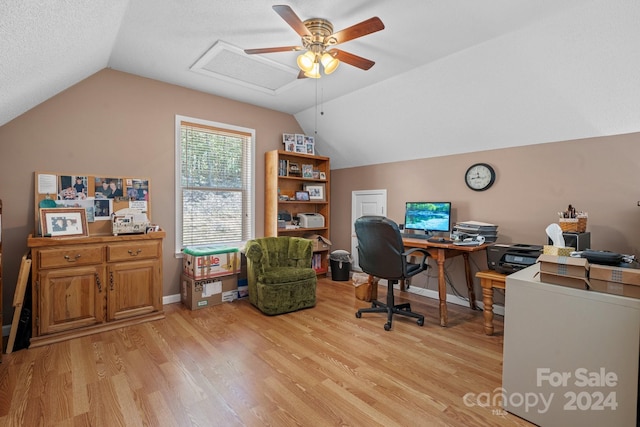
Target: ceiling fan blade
{"type": "Point", "coordinates": [292, 19]}
{"type": "Point", "coordinates": [273, 49]}
{"type": "Point", "coordinates": [301, 75]}
{"type": "Point", "coordinates": [369, 26]}
{"type": "Point", "coordinates": [351, 59]}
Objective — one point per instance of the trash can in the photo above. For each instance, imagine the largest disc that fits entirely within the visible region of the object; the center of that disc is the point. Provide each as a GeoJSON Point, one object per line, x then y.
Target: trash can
{"type": "Point", "coordinates": [340, 262]}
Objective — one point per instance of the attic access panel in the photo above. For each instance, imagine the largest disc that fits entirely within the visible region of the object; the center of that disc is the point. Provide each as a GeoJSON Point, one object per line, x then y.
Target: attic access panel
{"type": "Point", "coordinates": [229, 63]}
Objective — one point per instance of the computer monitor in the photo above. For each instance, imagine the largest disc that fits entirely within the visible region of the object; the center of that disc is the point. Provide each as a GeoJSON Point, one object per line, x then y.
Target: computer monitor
{"type": "Point", "coordinates": [429, 217]}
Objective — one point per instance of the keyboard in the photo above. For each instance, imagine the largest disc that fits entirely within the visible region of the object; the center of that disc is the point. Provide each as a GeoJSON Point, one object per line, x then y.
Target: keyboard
{"type": "Point", "coordinates": [439, 240]}
{"type": "Point", "coordinates": [425, 237]}
{"type": "Point", "coordinates": [415, 236]}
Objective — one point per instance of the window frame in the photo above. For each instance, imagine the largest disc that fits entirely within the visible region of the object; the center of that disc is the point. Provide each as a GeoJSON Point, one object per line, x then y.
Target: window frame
{"type": "Point", "coordinates": [178, 173]}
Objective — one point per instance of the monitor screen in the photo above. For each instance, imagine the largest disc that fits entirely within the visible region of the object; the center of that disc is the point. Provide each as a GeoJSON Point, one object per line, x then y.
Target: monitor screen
{"type": "Point", "coordinates": [428, 216]}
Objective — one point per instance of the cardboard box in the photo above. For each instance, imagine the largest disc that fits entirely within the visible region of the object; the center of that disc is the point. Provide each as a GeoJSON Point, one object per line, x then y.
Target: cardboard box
{"type": "Point", "coordinates": [202, 293]}
{"type": "Point", "coordinates": [615, 280]}
{"type": "Point", "coordinates": [568, 281]}
{"type": "Point", "coordinates": [555, 250]}
{"type": "Point", "coordinates": [202, 262]}
{"type": "Point", "coordinates": [564, 271]}
{"type": "Point", "coordinates": [320, 243]}
{"type": "Point", "coordinates": [564, 266]}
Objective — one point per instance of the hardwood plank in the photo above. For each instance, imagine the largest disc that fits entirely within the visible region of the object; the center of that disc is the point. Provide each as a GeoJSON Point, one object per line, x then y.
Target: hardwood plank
{"type": "Point", "coordinates": [231, 365]}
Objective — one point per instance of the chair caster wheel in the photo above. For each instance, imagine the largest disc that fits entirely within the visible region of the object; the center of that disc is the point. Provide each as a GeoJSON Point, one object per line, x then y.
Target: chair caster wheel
{"type": "Point", "coordinates": [358, 314]}
{"type": "Point", "coordinates": [387, 326]}
{"type": "Point", "coordinates": [420, 322]}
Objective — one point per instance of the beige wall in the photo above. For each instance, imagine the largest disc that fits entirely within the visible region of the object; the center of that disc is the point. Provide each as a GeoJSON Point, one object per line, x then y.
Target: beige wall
{"type": "Point", "coordinates": [117, 124]}
{"type": "Point", "coordinates": [598, 175]}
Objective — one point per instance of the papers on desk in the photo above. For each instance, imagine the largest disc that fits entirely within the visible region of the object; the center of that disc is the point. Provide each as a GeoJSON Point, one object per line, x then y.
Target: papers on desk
{"type": "Point", "coordinates": [463, 231]}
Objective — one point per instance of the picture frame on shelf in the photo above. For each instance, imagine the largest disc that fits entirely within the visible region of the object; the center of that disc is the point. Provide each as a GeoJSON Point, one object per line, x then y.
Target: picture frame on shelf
{"type": "Point", "coordinates": [316, 174]}
{"type": "Point", "coordinates": [302, 196]}
{"type": "Point", "coordinates": [310, 148]}
{"type": "Point", "coordinates": [301, 149]}
{"type": "Point", "coordinates": [64, 222]}
{"type": "Point", "coordinates": [288, 137]}
{"type": "Point", "coordinates": [294, 169]}
{"type": "Point", "coordinates": [290, 146]}
{"type": "Point", "coordinates": [299, 139]}
{"type": "Point", "coordinates": [307, 171]}
{"type": "Point", "coordinates": [316, 191]}
{"type": "Point", "coordinates": [323, 175]}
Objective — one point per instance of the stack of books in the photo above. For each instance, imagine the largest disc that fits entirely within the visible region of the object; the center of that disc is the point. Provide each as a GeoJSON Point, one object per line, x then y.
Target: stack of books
{"type": "Point", "coordinates": [473, 229]}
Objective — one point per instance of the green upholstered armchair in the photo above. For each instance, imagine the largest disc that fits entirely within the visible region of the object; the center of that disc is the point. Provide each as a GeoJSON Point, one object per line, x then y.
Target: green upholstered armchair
{"type": "Point", "coordinates": [279, 274]}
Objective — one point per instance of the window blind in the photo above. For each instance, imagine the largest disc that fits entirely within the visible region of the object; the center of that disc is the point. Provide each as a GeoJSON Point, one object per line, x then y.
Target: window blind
{"type": "Point", "coordinates": [215, 183]}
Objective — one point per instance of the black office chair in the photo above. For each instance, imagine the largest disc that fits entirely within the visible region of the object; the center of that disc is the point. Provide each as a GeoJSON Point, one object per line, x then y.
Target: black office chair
{"type": "Point", "coordinates": [381, 253]}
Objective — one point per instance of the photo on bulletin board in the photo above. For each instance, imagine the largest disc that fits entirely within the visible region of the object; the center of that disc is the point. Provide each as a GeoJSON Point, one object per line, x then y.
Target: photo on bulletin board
{"type": "Point", "coordinates": [137, 189]}
{"type": "Point", "coordinates": [86, 204]}
{"type": "Point", "coordinates": [103, 208]}
{"type": "Point", "coordinates": [73, 187]}
{"type": "Point", "coordinates": [108, 188]}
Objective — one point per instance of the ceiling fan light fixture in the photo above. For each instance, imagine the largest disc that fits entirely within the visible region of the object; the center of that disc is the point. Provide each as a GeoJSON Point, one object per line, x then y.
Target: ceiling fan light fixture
{"type": "Point", "coordinates": [306, 61]}
{"type": "Point", "coordinates": [315, 71]}
{"type": "Point", "coordinates": [329, 63]}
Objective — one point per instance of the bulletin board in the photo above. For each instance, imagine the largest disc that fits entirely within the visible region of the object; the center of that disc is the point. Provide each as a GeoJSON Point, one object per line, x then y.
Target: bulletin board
{"type": "Point", "coordinates": [99, 195]}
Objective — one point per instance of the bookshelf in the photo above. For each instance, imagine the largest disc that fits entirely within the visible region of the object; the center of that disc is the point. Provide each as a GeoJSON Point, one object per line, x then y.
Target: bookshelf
{"type": "Point", "coordinates": [288, 173]}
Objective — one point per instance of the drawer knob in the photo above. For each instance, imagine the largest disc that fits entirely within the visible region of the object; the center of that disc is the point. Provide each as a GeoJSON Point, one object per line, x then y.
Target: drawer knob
{"type": "Point", "coordinates": [134, 253]}
{"type": "Point", "coordinates": [74, 259]}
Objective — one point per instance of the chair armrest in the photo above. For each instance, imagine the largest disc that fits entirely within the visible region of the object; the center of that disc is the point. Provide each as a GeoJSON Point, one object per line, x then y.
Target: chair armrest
{"type": "Point", "coordinates": [424, 252]}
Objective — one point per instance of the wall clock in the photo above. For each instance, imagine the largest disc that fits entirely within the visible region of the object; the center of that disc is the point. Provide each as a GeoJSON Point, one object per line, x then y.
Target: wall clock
{"type": "Point", "coordinates": [480, 177]}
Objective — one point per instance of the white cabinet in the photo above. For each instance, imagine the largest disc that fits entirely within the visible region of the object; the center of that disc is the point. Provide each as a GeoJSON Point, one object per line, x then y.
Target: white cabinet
{"type": "Point", "coordinates": [570, 355]}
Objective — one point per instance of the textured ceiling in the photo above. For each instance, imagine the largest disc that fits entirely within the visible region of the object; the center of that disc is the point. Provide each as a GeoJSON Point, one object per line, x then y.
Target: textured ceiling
{"type": "Point", "coordinates": [450, 76]}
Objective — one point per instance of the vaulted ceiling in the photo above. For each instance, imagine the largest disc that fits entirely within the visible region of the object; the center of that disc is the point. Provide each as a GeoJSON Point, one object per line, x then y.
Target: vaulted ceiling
{"type": "Point", "coordinates": [449, 76]}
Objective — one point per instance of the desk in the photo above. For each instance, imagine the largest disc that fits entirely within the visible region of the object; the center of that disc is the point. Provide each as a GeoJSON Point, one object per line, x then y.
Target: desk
{"type": "Point", "coordinates": [489, 279]}
{"type": "Point", "coordinates": [440, 252]}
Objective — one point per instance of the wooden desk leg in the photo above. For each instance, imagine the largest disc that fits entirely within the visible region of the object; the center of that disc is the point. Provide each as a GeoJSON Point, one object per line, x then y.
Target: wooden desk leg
{"type": "Point", "coordinates": [442, 288]}
{"type": "Point", "coordinates": [472, 293]}
{"type": "Point", "coordinates": [487, 299]}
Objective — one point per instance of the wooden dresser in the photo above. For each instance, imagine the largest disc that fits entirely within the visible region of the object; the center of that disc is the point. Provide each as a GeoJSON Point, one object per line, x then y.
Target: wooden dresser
{"type": "Point", "coordinates": [92, 284]}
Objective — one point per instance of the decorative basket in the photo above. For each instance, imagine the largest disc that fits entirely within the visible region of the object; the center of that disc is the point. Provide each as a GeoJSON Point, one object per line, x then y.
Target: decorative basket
{"type": "Point", "coordinates": [573, 225]}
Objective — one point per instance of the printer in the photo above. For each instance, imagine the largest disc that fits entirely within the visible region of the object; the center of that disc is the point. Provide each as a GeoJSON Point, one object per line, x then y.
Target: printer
{"type": "Point", "coordinates": [507, 259]}
{"type": "Point", "coordinates": [311, 220]}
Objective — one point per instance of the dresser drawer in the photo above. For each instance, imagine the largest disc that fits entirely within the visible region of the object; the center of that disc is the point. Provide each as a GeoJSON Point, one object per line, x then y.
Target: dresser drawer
{"type": "Point", "coordinates": [71, 256]}
{"type": "Point", "coordinates": [133, 250]}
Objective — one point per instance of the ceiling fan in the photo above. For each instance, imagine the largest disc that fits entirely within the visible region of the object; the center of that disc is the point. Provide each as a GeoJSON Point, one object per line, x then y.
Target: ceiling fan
{"type": "Point", "coordinates": [318, 40]}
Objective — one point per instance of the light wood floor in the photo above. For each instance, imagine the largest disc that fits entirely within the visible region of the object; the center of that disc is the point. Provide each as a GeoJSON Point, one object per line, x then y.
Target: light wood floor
{"type": "Point", "coordinates": [230, 365]}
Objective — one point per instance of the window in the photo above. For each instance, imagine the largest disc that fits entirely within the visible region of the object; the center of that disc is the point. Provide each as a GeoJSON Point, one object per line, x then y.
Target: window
{"type": "Point", "coordinates": [214, 183]}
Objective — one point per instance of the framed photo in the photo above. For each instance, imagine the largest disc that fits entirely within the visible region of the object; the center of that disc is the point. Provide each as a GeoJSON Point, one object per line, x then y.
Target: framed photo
{"type": "Point", "coordinates": [302, 196]}
{"type": "Point", "coordinates": [288, 138]}
{"type": "Point", "coordinates": [310, 148]}
{"type": "Point", "coordinates": [299, 139]}
{"type": "Point", "coordinates": [307, 171]}
{"type": "Point", "coordinates": [323, 175]}
{"type": "Point", "coordinates": [316, 191]}
{"type": "Point", "coordinates": [290, 146]}
{"type": "Point", "coordinates": [301, 149]}
{"type": "Point", "coordinates": [64, 222]}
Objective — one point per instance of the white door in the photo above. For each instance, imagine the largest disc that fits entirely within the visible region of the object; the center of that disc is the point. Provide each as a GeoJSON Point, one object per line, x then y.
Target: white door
{"type": "Point", "coordinates": [365, 202]}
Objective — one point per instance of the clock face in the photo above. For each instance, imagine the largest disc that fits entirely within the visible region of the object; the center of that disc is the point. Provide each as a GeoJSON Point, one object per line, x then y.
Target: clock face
{"type": "Point", "coordinates": [480, 177]}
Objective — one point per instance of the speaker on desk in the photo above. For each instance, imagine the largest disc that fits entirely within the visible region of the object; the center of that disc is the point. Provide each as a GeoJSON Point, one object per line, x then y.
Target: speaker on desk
{"type": "Point", "coordinates": [580, 241]}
